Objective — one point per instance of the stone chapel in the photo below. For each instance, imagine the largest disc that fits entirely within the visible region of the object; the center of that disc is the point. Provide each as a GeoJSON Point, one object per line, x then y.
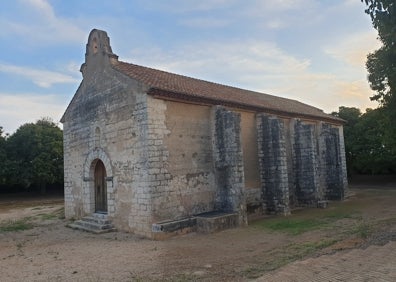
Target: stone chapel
{"type": "Point", "coordinates": [157, 153]}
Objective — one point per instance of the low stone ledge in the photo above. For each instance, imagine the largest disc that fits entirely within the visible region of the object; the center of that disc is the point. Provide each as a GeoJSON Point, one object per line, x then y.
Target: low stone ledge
{"type": "Point", "coordinates": [167, 229]}
{"type": "Point", "coordinates": [216, 221]}
{"type": "Point", "coordinates": [174, 225]}
{"type": "Point", "coordinates": [208, 222]}
{"type": "Point", "coordinates": [322, 204]}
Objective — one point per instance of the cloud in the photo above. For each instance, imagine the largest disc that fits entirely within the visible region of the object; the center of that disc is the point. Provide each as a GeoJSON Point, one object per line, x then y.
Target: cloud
{"type": "Point", "coordinates": [353, 49]}
{"type": "Point", "coordinates": [261, 66]}
{"type": "Point", "coordinates": [43, 7]}
{"type": "Point", "coordinates": [16, 110]}
{"type": "Point", "coordinates": [42, 78]}
{"type": "Point", "coordinates": [37, 22]}
{"type": "Point", "coordinates": [279, 14]}
{"type": "Point", "coordinates": [275, 24]}
{"type": "Point", "coordinates": [205, 22]}
{"type": "Point", "coordinates": [260, 14]}
{"type": "Point", "coordinates": [233, 57]}
{"type": "Point", "coordinates": [282, 5]}
{"type": "Point", "coordinates": [187, 6]}
{"type": "Point", "coordinates": [355, 94]}
{"type": "Point", "coordinates": [73, 67]}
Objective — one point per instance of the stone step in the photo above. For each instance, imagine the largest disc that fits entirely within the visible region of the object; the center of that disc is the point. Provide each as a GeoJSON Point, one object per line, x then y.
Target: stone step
{"type": "Point", "coordinates": [96, 220]}
{"type": "Point", "coordinates": [95, 223]}
{"type": "Point", "coordinates": [88, 229]}
{"type": "Point", "coordinates": [100, 215]}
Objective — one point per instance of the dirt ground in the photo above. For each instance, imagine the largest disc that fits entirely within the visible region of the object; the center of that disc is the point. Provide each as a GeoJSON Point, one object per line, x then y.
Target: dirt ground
{"type": "Point", "coordinates": [46, 250]}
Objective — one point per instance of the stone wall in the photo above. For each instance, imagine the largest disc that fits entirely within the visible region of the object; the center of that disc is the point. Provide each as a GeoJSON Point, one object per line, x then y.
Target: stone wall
{"type": "Point", "coordinates": [181, 169]}
{"type": "Point", "coordinates": [228, 160]}
{"type": "Point", "coordinates": [333, 167]}
{"type": "Point", "coordinates": [305, 163]}
{"type": "Point", "coordinates": [73, 170]}
{"type": "Point", "coordinates": [291, 175]}
{"type": "Point", "coordinates": [133, 195]}
{"type": "Point", "coordinates": [108, 130]}
{"type": "Point", "coordinates": [273, 164]}
{"type": "Point", "coordinates": [304, 159]}
{"type": "Point", "coordinates": [343, 160]}
{"type": "Point", "coordinates": [250, 149]}
{"type": "Point", "coordinates": [107, 120]}
{"type": "Point", "coordinates": [168, 160]}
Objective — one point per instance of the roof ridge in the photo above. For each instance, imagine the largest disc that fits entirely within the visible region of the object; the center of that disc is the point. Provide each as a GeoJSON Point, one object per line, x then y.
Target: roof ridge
{"type": "Point", "coordinates": [213, 82]}
{"type": "Point", "coordinates": [197, 79]}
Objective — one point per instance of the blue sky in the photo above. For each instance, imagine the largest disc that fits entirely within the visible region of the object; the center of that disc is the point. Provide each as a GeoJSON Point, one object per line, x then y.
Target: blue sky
{"type": "Point", "coordinates": [309, 50]}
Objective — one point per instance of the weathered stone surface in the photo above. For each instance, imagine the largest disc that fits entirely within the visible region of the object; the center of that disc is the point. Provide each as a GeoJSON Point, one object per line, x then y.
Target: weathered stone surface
{"type": "Point", "coordinates": [184, 167]}
{"type": "Point", "coordinates": [216, 221]}
{"type": "Point", "coordinates": [168, 158]}
{"type": "Point", "coordinates": [273, 164]}
{"type": "Point", "coordinates": [96, 223]}
{"type": "Point", "coordinates": [332, 162]}
{"type": "Point", "coordinates": [305, 163]}
{"type": "Point", "coordinates": [228, 162]}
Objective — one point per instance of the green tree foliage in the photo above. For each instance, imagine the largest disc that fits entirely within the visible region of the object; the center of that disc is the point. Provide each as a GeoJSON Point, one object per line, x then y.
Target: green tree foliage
{"type": "Point", "coordinates": [351, 116]}
{"type": "Point", "coordinates": [366, 144]}
{"type": "Point", "coordinates": [3, 157]}
{"type": "Point", "coordinates": [35, 155]}
{"type": "Point", "coordinates": [381, 64]}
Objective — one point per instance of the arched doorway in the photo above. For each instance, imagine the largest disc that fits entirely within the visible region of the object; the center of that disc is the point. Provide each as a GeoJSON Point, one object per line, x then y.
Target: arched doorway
{"type": "Point", "coordinates": [100, 187]}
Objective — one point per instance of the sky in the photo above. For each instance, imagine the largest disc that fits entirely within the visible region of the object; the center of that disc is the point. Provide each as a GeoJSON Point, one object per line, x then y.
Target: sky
{"type": "Point", "coordinates": [313, 51]}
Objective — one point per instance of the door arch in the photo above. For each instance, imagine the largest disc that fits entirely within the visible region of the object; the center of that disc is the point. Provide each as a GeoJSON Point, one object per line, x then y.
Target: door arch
{"type": "Point", "coordinates": [89, 186]}
{"type": "Point", "coordinates": [100, 187]}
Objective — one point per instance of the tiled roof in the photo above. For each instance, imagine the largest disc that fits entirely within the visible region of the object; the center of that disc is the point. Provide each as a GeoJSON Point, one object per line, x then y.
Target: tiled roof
{"type": "Point", "coordinates": [174, 86]}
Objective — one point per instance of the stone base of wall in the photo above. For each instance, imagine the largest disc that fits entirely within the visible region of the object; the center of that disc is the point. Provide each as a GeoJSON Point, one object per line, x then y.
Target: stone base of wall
{"type": "Point", "coordinates": [209, 222]}
{"type": "Point", "coordinates": [254, 203]}
{"type": "Point", "coordinates": [216, 221]}
{"type": "Point", "coordinates": [166, 229]}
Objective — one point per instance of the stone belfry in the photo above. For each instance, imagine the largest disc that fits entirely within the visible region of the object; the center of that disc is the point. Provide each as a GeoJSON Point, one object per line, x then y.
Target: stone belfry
{"type": "Point", "coordinates": [98, 51]}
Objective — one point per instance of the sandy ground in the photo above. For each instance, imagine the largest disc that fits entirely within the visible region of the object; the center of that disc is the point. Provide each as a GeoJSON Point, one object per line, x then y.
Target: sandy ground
{"type": "Point", "coordinates": [52, 252]}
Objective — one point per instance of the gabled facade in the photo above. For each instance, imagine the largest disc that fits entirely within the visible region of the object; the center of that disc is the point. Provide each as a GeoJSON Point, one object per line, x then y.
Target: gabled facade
{"type": "Point", "coordinates": [156, 152]}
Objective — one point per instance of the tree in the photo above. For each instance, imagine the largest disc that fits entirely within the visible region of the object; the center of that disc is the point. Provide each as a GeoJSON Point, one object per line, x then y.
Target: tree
{"type": "Point", "coordinates": [381, 64]}
{"type": "Point", "coordinates": [366, 146]}
{"type": "Point", "coordinates": [351, 115]}
{"type": "Point", "coordinates": [36, 154]}
{"type": "Point", "coordinates": [373, 154]}
{"type": "Point", "coordinates": [3, 157]}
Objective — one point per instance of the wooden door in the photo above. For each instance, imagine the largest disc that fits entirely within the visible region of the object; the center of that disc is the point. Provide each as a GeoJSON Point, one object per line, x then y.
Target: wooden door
{"type": "Point", "coordinates": [100, 188]}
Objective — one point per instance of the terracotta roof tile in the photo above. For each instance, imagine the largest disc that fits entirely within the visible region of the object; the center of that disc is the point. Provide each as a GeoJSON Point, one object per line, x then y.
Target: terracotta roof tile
{"type": "Point", "coordinates": [171, 85]}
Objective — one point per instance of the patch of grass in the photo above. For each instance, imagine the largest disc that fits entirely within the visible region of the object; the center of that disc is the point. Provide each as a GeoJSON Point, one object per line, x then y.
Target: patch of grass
{"type": "Point", "coordinates": [286, 255]}
{"type": "Point", "coordinates": [293, 226]}
{"type": "Point", "coordinates": [47, 216]}
{"type": "Point", "coordinates": [362, 230]}
{"type": "Point", "coordinates": [308, 219]}
{"type": "Point", "coordinates": [16, 225]}
{"type": "Point", "coordinates": [61, 213]}
{"type": "Point", "coordinates": [340, 213]}
{"type": "Point", "coordinates": [307, 248]}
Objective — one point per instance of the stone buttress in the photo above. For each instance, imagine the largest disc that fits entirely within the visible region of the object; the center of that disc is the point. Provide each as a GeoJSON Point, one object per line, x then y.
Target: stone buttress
{"type": "Point", "coordinates": [273, 164]}
{"type": "Point", "coordinates": [228, 162]}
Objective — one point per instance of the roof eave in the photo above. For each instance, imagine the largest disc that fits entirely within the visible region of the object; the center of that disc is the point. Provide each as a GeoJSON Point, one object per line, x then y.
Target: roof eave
{"type": "Point", "coordinates": [183, 97]}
